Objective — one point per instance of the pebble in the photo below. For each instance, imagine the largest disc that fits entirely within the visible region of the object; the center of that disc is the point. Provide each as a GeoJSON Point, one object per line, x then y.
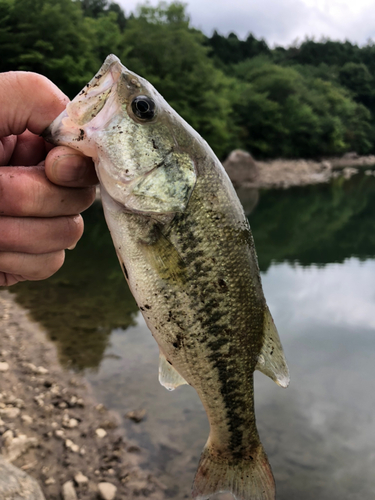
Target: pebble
{"type": "Point", "coordinates": [14, 447]}
{"type": "Point", "coordinates": [68, 491]}
{"type": "Point", "coordinates": [71, 423]}
{"type": "Point", "coordinates": [74, 447]}
{"type": "Point", "coordinates": [107, 491]}
{"type": "Point", "coordinates": [59, 433]}
{"type": "Point", "coordinates": [136, 415]}
{"type": "Point", "coordinates": [26, 419]}
{"type": "Point", "coordinates": [101, 433]}
{"type": "Point", "coordinates": [10, 413]}
{"type": "Point", "coordinates": [50, 480]}
{"type": "Point", "coordinates": [40, 370]}
{"type": "Point", "coordinates": [4, 366]}
{"type": "Point", "coordinates": [80, 479]}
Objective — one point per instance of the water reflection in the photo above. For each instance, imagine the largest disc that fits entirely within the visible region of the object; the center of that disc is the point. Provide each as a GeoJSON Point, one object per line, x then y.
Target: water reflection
{"type": "Point", "coordinates": [81, 304]}
{"type": "Point", "coordinates": [315, 248]}
{"type": "Point", "coordinates": [316, 224]}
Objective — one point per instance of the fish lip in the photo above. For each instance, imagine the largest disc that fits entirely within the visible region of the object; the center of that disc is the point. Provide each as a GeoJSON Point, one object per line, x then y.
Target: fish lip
{"type": "Point", "coordinates": [47, 134]}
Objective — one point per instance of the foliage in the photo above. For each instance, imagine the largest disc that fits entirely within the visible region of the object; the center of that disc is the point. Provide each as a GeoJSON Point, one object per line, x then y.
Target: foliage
{"type": "Point", "coordinates": [309, 100]}
{"type": "Point", "coordinates": [286, 113]}
{"type": "Point", "coordinates": [52, 37]}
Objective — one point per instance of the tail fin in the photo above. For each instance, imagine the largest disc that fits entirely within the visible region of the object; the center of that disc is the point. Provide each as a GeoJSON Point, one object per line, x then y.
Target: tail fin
{"type": "Point", "coordinates": [248, 478]}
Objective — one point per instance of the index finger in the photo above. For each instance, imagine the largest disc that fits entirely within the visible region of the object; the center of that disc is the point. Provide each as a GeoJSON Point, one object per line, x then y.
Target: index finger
{"type": "Point", "coordinates": [28, 101]}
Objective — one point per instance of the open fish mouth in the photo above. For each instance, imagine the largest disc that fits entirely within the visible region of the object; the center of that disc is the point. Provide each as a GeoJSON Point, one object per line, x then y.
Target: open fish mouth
{"type": "Point", "coordinates": [77, 121]}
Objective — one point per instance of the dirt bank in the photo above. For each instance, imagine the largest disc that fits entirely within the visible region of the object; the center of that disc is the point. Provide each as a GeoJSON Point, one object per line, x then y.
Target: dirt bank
{"type": "Point", "coordinates": [52, 428]}
{"type": "Point", "coordinates": [245, 172]}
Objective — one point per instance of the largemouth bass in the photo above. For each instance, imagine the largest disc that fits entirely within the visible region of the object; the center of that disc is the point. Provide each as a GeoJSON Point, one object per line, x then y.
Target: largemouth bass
{"type": "Point", "coordinates": [187, 253]}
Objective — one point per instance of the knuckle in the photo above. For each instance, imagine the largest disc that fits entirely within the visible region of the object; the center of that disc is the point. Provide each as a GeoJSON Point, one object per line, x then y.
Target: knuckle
{"type": "Point", "coordinates": [49, 264]}
{"type": "Point", "coordinates": [73, 230]}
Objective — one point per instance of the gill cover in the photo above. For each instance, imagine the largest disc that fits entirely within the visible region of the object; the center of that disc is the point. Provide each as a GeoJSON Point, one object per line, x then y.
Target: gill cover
{"type": "Point", "coordinates": [123, 123]}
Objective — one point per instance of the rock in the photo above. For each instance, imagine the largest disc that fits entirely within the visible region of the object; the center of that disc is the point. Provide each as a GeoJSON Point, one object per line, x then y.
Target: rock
{"type": "Point", "coordinates": [4, 367]}
{"type": "Point", "coordinates": [14, 447]}
{"type": "Point", "coordinates": [26, 419]}
{"type": "Point", "coordinates": [68, 491]}
{"type": "Point", "coordinates": [71, 423]}
{"type": "Point", "coordinates": [101, 433]}
{"type": "Point", "coordinates": [349, 172]}
{"type": "Point", "coordinates": [352, 155]}
{"type": "Point", "coordinates": [59, 433]}
{"type": "Point", "coordinates": [136, 415]}
{"type": "Point", "coordinates": [15, 484]}
{"type": "Point", "coordinates": [107, 491]}
{"type": "Point", "coordinates": [10, 413]}
{"type": "Point", "coordinates": [241, 167]}
{"type": "Point", "coordinates": [80, 479]}
{"type": "Point", "coordinates": [70, 445]}
{"type": "Point", "coordinates": [38, 370]}
{"type": "Point", "coordinates": [49, 481]}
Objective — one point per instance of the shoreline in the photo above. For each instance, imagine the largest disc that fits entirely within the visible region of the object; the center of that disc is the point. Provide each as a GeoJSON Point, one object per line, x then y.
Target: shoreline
{"type": "Point", "coordinates": [245, 172]}
{"type": "Point", "coordinates": [52, 428]}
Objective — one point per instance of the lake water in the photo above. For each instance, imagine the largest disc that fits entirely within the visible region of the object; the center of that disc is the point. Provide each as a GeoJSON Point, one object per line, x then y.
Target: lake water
{"type": "Point", "coordinates": [316, 248]}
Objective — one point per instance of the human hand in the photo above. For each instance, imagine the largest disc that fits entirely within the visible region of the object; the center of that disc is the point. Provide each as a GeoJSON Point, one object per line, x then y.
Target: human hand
{"type": "Point", "coordinates": [42, 190]}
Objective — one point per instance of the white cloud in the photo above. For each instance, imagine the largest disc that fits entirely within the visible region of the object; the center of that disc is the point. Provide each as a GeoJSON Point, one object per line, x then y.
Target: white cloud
{"type": "Point", "coordinates": [283, 21]}
{"type": "Point", "coordinates": [338, 295]}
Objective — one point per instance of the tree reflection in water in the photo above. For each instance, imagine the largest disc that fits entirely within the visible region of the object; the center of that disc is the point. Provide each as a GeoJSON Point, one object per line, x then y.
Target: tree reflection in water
{"type": "Point", "coordinates": [89, 297]}
{"type": "Point", "coordinates": [85, 300]}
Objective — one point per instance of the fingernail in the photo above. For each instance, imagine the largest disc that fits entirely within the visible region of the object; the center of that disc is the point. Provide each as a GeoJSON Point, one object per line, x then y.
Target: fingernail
{"type": "Point", "coordinates": [72, 247]}
{"type": "Point", "coordinates": [69, 168]}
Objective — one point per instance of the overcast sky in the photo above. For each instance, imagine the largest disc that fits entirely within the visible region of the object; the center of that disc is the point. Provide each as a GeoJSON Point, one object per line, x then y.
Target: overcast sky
{"type": "Point", "coordinates": [282, 21]}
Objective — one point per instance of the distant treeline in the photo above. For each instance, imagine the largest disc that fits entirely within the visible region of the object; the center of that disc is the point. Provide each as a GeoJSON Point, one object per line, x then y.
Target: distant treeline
{"type": "Point", "coordinates": [317, 99]}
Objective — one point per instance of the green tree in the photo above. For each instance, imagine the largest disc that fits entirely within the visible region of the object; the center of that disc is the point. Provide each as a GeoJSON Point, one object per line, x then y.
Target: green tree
{"type": "Point", "coordinates": [52, 37]}
{"type": "Point", "coordinates": [231, 50]}
{"type": "Point", "coordinates": [284, 113]}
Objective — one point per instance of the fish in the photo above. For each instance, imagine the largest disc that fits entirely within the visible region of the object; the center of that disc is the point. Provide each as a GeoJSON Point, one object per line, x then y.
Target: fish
{"type": "Point", "coordinates": [188, 255]}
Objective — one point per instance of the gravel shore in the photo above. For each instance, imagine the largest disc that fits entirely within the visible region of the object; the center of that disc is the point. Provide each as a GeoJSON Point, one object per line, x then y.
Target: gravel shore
{"type": "Point", "coordinates": [53, 429]}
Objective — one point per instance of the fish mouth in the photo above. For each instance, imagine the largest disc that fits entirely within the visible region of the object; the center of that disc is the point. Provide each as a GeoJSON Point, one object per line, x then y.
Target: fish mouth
{"type": "Point", "coordinates": [68, 129]}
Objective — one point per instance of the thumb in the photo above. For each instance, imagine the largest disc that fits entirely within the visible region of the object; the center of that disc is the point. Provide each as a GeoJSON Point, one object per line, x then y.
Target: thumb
{"type": "Point", "coordinates": [28, 101]}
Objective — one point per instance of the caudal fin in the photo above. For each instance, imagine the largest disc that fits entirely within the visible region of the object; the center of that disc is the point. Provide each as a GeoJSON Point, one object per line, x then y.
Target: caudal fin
{"type": "Point", "coordinates": [248, 478]}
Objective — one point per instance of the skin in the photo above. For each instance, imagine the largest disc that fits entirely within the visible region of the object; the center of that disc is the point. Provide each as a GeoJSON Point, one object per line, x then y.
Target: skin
{"type": "Point", "coordinates": [42, 190]}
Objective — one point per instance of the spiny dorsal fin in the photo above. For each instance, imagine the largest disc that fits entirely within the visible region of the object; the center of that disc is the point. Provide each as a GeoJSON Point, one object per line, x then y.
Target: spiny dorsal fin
{"type": "Point", "coordinates": [271, 359]}
{"type": "Point", "coordinates": [169, 376]}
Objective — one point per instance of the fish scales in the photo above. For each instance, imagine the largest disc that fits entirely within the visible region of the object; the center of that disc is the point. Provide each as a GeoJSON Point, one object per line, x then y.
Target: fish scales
{"type": "Point", "coordinates": [188, 255]}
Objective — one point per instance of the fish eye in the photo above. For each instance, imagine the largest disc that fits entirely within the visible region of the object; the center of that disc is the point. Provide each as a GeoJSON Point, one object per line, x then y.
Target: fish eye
{"type": "Point", "coordinates": [143, 107]}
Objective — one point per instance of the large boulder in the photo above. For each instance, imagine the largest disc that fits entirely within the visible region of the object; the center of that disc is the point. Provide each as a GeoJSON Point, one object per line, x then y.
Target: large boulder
{"type": "Point", "coordinates": [241, 168]}
{"type": "Point", "coordinates": [16, 484]}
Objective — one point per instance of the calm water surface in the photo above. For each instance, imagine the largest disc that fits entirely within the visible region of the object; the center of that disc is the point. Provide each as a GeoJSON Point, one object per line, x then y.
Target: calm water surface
{"type": "Point", "coordinates": [316, 249]}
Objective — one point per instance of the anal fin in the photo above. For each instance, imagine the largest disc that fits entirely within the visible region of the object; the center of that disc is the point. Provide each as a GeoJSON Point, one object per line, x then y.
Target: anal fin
{"type": "Point", "coordinates": [271, 359]}
{"type": "Point", "coordinates": [169, 376]}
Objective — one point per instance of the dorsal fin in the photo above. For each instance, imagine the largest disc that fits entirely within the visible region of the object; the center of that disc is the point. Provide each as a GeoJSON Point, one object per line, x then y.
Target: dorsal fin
{"type": "Point", "coordinates": [169, 376]}
{"type": "Point", "coordinates": [271, 360]}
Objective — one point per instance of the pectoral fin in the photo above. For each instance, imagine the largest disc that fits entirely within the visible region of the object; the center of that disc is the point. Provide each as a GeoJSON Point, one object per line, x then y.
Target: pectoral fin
{"type": "Point", "coordinates": [168, 376]}
{"type": "Point", "coordinates": [164, 257]}
{"type": "Point", "coordinates": [271, 359]}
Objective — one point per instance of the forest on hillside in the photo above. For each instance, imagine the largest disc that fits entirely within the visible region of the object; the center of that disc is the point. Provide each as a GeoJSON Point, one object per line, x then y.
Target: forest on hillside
{"type": "Point", "coordinates": [313, 100]}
